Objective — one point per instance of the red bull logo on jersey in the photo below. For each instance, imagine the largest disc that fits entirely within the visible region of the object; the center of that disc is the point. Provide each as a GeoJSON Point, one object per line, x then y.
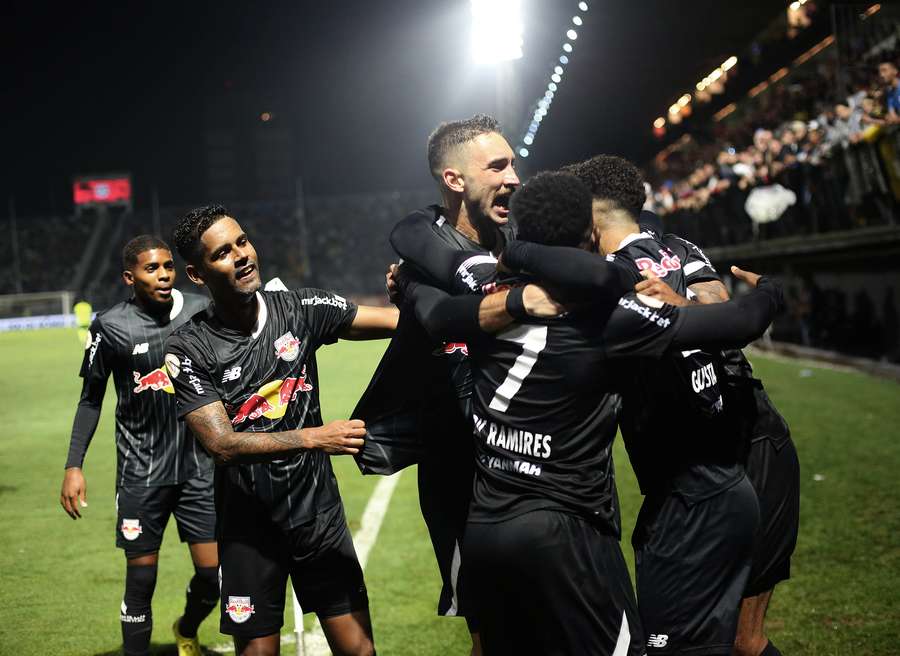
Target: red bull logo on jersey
{"type": "Point", "coordinates": [156, 380]}
{"type": "Point", "coordinates": [454, 347]}
{"type": "Point", "coordinates": [669, 262]}
{"type": "Point", "coordinates": [131, 529]}
{"type": "Point", "coordinates": [287, 347]}
{"type": "Point", "coordinates": [239, 609]}
{"type": "Point", "coordinates": [272, 399]}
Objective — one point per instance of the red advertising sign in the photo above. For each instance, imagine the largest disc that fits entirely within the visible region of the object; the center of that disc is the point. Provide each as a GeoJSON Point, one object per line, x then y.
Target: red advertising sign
{"type": "Point", "coordinates": [102, 191]}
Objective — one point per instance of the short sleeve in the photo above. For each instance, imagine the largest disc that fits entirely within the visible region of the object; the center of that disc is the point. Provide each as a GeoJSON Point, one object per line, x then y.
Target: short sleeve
{"type": "Point", "coordinates": [640, 327]}
{"type": "Point", "coordinates": [326, 314]}
{"type": "Point", "coordinates": [190, 376]}
{"type": "Point", "coordinates": [697, 267]}
{"type": "Point", "coordinates": [97, 363]}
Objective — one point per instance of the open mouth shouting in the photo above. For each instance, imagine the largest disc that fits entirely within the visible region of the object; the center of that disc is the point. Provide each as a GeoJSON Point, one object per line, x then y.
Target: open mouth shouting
{"type": "Point", "coordinates": [500, 206]}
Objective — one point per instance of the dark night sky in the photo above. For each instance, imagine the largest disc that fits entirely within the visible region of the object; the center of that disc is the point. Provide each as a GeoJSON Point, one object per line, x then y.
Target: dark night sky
{"type": "Point", "coordinates": [102, 86]}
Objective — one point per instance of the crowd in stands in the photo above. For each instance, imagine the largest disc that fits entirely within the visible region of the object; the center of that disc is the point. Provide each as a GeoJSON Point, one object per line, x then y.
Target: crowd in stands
{"type": "Point", "coordinates": [793, 161]}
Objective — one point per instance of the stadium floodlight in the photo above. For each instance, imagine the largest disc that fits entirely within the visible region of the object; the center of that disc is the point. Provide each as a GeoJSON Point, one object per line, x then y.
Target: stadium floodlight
{"type": "Point", "coordinates": [582, 6]}
{"type": "Point", "coordinates": [563, 59]}
{"type": "Point", "coordinates": [567, 47]}
{"type": "Point", "coordinates": [558, 70]}
{"type": "Point", "coordinates": [496, 30]}
{"type": "Point", "coordinates": [523, 152]}
{"type": "Point", "coordinates": [572, 34]}
{"type": "Point", "coordinates": [528, 140]}
{"type": "Point", "coordinates": [556, 78]}
{"type": "Point", "coordinates": [577, 20]}
{"type": "Point", "coordinates": [552, 86]}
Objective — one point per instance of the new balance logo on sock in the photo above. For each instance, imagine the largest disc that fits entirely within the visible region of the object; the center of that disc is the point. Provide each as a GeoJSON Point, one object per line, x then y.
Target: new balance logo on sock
{"type": "Point", "coordinates": [658, 640]}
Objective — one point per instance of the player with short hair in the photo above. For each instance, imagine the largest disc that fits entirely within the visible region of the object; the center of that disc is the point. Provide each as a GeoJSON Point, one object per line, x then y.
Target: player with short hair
{"type": "Point", "coordinates": [694, 534]}
{"type": "Point", "coordinates": [546, 571]}
{"type": "Point", "coordinates": [472, 164]}
{"type": "Point", "coordinates": [246, 383]}
{"type": "Point", "coordinates": [770, 459]}
{"type": "Point", "coordinates": [161, 470]}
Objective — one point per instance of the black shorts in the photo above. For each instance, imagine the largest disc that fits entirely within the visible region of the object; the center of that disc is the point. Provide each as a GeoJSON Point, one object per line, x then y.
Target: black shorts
{"type": "Point", "coordinates": [774, 471]}
{"type": "Point", "coordinates": [445, 491]}
{"type": "Point", "coordinates": [318, 556]}
{"type": "Point", "coordinates": [143, 512]}
{"type": "Point", "coordinates": [691, 565]}
{"type": "Point", "coordinates": [548, 583]}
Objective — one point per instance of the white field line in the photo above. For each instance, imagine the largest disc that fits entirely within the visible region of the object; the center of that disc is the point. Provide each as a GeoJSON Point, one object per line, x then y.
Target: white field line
{"type": "Point", "coordinates": [314, 640]}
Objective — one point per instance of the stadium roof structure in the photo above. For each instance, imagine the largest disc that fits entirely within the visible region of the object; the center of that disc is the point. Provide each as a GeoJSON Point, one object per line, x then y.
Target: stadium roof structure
{"type": "Point", "coordinates": [361, 83]}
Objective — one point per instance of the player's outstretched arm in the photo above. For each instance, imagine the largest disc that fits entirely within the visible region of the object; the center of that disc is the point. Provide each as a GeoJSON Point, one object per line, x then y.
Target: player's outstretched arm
{"type": "Point", "coordinates": [733, 324]}
{"type": "Point", "coordinates": [372, 323]}
{"type": "Point", "coordinates": [705, 293]}
{"type": "Point", "coordinates": [210, 424]}
{"type": "Point", "coordinates": [583, 275]}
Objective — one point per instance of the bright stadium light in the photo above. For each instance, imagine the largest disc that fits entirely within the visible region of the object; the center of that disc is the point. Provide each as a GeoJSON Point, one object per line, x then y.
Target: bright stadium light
{"type": "Point", "coordinates": [556, 78]}
{"type": "Point", "coordinates": [567, 47]}
{"type": "Point", "coordinates": [563, 59]}
{"type": "Point", "coordinates": [577, 20]}
{"type": "Point", "coordinates": [496, 30]}
{"type": "Point", "coordinates": [582, 6]}
{"type": "Point", "coordinates": [558, 70]}
{"type": "Point", "coordinates": [523, 152]}
{"type": "Point", "coordinates": [528, 140]}
{"type": "Point", "coordinates": [552, 86]}
{"type": "Point", "coordinates": [572, 34]}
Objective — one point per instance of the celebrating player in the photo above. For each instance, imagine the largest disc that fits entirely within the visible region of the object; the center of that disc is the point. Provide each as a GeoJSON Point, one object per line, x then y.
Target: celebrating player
{"type": "Point", "coordinates": [695, 530]}
{"type": "Point", "coordinates": [473, 166]}
{"type": "Point", "coordinates": [546, 572]}
{"type": "Point", "coordinates": [770, 460]}
{"type": "Point", "coordinates": [161, 469]}
{"type": "Point", "coordinates": [246, 382]}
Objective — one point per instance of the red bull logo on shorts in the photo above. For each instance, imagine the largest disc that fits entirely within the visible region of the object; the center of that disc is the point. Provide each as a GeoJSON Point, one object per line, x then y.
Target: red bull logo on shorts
{"type": "Point", "coordinates": [131, 529]}
{"type": "Point", "coordinates": [239, 609]}
{"type": "Point", "coordinates": [272, 399]}
{"type": "Point", "coordinates": [156, 380]}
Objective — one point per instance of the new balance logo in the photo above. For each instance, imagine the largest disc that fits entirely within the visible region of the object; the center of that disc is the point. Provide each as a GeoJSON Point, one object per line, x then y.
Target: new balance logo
{"type": "Point", "coordinates": [140, 348]}
{"type": "Point", "coordinates": [658, 640]}
{"type": "Point", "coordinates": [231, 374]}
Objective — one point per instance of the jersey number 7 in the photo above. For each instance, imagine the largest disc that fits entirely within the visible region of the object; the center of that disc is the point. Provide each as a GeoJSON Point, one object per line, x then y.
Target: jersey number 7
{"type": "Point", "coordinates": [533, 340]}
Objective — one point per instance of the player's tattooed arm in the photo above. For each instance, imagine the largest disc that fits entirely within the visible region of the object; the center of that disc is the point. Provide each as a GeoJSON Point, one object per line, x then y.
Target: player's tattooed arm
{"type": "Point", "coordinates": [210, 424]}
{"type": "Point", "coordinates": [705, 293]}
{"type": "Point", "coordinates": [711, 291]}
{"type": "Point", "coordinates": [372, 323]}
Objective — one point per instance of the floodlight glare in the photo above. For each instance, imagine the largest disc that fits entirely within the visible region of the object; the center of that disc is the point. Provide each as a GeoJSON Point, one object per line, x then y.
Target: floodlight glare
{"type": "Point", "coordinates": [567, 47]}
{"type": "Point", "coordinates": [577, 20]}
{"type": "Point", "coordinates": [556, 78]}
{"type": "Point", "coordinates": [572, 34]}
{"type": "Point", "coordinates": [563, 59]}
{"type": "Point", "coordinates": [528, 140]}
{"type": "Point", "coordinates": [496, 30]}
{"type": "Point", "coordinates": [523, 152]}
{"type": "Point", "coordinates": [558, 70]}
{"type": "Point", "coordinates": [552, 86]}
{"type": "Point", "coordinates": [582, 6]}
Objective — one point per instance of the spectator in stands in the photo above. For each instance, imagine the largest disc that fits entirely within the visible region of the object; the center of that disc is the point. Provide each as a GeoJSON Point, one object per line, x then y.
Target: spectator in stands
{"type": "Point", "coordinates": [888, 73]}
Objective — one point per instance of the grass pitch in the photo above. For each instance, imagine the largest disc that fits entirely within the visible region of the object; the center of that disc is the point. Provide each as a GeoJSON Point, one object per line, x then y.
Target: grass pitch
{"type": "Point", "coordinates": [61, 581]}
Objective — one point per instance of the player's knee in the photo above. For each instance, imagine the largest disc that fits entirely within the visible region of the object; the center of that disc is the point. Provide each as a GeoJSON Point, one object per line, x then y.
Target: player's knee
{"type": "Point", "coordinates": [749, 645]}
{"type": "Point", "coordinates": [205, 584]}
{"type": "Point", "coordinates": [140, 582]}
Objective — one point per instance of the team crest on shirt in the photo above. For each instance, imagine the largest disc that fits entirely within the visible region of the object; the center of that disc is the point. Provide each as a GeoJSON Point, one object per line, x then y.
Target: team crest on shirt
{"type": "Point", "coordinates": [131, 529]}
{"type": "Point", "coordinates": [287, 347]}
{"type": "Point", "coordinates": [239, 609]}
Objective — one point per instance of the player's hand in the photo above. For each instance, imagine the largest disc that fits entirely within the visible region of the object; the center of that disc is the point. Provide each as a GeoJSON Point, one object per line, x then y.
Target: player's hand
{"type": "Point", "coordinates": [539, 303]}
{"type": "Point", "coordinates": [747, 276]}
{"type": "Point", "coordinates": [74, 492]}
{"type": "Point", "coordinates": [339, 437]}
{"type": "Point", "coordinates": [390, 284]}
{"type": "Point", "coordinates": [654, 287]}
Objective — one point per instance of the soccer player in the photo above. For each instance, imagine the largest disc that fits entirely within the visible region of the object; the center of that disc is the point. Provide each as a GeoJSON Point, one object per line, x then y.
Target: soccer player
{"type": "Point", "coordinates": [161, 469]}
{"type": "Point", "coordinates": [771, 459]}
{"type": "Point", "coordinates": [694, 534]}
{"type": "Point", "coordinates": [473, 165]}
{"type": "Point", "coordinates": [246, 383]}
{"type": "Point", "coordinates": [546, 571]}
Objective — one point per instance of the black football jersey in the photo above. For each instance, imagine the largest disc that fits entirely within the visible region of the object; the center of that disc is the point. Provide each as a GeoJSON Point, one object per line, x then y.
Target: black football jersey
{"type": "Point", "coordinates": [153, 447]}
{"type": "Point", "coordinates": [673, 417]}
{"type": "Point", "coordinates": [268, 382]}
{"type": "Point", "coordinates": [545, 411]}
